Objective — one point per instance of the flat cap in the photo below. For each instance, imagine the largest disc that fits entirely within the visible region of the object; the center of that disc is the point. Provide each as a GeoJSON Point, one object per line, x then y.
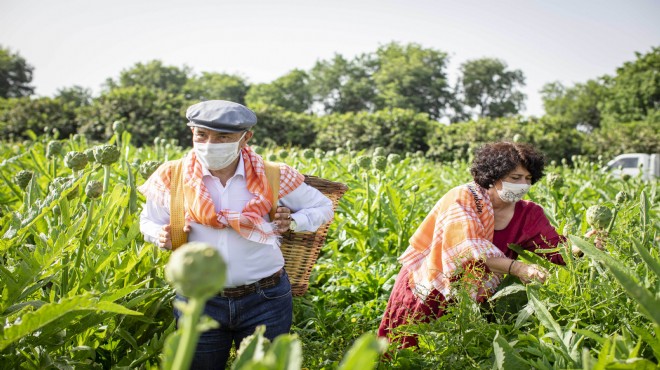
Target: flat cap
{"type": "Point", "coordinates": [221, 115]}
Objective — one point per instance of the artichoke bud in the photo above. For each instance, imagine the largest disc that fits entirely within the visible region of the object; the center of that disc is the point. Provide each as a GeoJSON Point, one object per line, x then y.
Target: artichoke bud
{"type": "Point", "coordinates": [54, 148]}
{"type": "Point", "coordinates": [340, 150]}
{"type": "Point", "coordinates": [90, 155]}
{"type": "Point", "coordinates": [364, 162]}
{"type": "Point", "coordinates": [379, 162]}
{"type": "Point", "coordinates": [22, 178]}
{"type": "Point", "coordinates": [621, 197]}
{"type": "Point", "coordinates": [517, 138]}
{"type": "Point", "coordinates": [308, 154]}
{"type": "Point", "coordinates": [106, 154]}
{"type": "Point", "coordinates": [257, 149]}
{"type": "Point", "coordinates": [353, 168]}
{"type": "Point", "coordinates": [599, 217]}
{"type": "Point", "coordinates": [118, 127]}
{"type": "Point", "coordinates": [555, 180]}
{"type": "Point", "coordinates": [147, 168]}
{"type": "Point", "coordinates": [379, 151]}
{"type": "Point", "coordinates": [272, 157]}
{"type": "Point", "coordinates": [393, 158]}
{"type": "Point", "coordinates": [329, 153]}
{"type": "Point", "coordinates": [196, 270]}
{"type": "Point", "coordinates": [76, 161]}
{"type": "Point", "coordinates": [283, 154]}
{"type": "Point", "coordinates": [94, 189]}
{"type": "Point", "coordinates": [414, 188]}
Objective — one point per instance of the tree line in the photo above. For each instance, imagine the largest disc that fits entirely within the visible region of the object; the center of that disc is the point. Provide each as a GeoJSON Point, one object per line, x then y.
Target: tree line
{"type": "Point", "coordinates": [398, 97]}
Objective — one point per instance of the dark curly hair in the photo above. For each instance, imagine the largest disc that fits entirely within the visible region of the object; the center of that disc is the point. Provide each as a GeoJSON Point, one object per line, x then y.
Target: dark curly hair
{"type": "Point", "coordinates": [494, 161]}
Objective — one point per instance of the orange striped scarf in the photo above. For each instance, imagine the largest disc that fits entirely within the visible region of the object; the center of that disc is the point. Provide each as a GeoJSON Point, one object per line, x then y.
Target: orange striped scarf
{"type": "Point", "coordinates": [456, 235]}
{"type": "Point", "coordinates": [199, 206]}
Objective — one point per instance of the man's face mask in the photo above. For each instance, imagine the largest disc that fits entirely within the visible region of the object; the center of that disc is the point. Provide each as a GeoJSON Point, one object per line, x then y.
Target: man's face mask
{"type": "Point", "coordinates": [511, 192]}
{"type": "Point", "coordinates": [217, 156]}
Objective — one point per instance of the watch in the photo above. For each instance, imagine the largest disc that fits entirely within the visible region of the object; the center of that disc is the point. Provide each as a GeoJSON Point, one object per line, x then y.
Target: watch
{"type": "Point", "coordinates": [293, 225]}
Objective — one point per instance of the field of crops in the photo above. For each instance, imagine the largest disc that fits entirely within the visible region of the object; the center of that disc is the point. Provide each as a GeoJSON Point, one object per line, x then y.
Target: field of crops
{"type": "Point", "coordinates": [80, 289]}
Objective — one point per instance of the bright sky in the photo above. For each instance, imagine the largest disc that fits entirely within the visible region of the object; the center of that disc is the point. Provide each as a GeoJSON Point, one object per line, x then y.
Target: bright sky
{"type": "Point", "coordinates": [83, 42]}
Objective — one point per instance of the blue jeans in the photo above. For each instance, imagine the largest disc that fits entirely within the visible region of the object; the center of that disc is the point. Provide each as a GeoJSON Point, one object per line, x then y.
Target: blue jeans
{"type": "Point", "coordinates": [238, 318]}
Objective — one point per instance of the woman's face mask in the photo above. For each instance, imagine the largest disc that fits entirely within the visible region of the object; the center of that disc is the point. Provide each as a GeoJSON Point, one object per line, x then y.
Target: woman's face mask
{"type": "Point", "coordinates": [511, 192]}
{"type": "Point", "coordinates": [217, 156]}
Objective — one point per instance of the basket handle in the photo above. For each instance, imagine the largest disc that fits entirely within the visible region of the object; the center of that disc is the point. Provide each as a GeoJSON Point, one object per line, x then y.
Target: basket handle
{"type": "Point", "coordinates": [177, 213]}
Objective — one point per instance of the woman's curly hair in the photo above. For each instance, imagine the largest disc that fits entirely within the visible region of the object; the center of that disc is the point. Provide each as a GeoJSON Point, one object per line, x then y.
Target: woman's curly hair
{"type": "Point", "coordinates": [494, 161]}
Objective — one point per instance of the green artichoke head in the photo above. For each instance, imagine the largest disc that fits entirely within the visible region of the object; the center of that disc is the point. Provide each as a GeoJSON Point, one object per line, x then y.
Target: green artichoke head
{"type": "Point", "coordinates": [106, 154]}
{"type": "Point", "coordinates": [599, 217]}
{"type": "Point", "coordinates": [54, 148]}
{"type": "Point", "coordinates": [283, 154]}
{"type": "Point", "coordinates": [394, 158]}
{"type": "Point", "coordinates": [22, 178]}
{"type": "Point", "coordinates": [147, 168]}
{"type": "Point", "coordinates": [379, 151]}
{"type": "Point", "coordinates": [621, 197]}
{"type": "Point", "coordinates": [94, 189]}
{"type": "Point", "coordinates": [379, 162]}
{"type": "Point", "coordinates": [118, 127]}
{"type": "Point", "coordinates": [555, 180]}
{"type": "Point", "coordinates": [364, 162]}
{"type": "Point", "coordinates": [196, 270]}
{"type": "Point", "coordinates": [76, 161]}
{"type": "Point", "coordinates": [308, 154]}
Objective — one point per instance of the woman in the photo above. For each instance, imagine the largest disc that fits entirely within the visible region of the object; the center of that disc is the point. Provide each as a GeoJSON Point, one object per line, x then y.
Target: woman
{"type": "Point", "coordinates": [466, 237]}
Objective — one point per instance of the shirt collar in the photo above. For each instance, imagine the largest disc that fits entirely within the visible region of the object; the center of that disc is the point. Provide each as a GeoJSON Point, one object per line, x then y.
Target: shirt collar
{"type": "Point", "coordinates": [240, 169]}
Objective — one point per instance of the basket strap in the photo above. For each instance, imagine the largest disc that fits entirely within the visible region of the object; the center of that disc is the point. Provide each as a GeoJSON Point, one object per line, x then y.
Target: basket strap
{"type": "Point", "coordinates": [177, 213]}
{"type": "Point", "coordinates": [273, 175]}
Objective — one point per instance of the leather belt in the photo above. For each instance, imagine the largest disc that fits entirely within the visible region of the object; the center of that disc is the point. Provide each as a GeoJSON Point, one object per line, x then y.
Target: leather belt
{"type": "Point", "coordinates": [243, 290]}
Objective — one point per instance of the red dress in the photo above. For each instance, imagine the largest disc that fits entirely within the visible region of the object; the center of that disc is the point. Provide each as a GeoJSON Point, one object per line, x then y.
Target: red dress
{"type": "Point", "coordinates": [528, 228]}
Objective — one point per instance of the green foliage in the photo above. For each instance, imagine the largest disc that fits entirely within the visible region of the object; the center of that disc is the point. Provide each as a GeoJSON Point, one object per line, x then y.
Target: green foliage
{"type": "Point", "coordinates": [290, 92]}
{"type": "Point", "coordinates": [135, 106]}
{"type": "Point", "coordinates": [276, 126]}
{"type": "Point", "coordinates": [41, 115]}
{"type": "Point", "coordinates": [578, 104]}
{"type": "Point", "coordinates": [15, 75]}
{"type": "Point", "coordinates": [152, 75]}
{"type": "Point", "coordinates": [491, 89]}
{"type": "Point", "coordinates": [396, 130]}
{"type": "Point", "coordinates": [211, 85]}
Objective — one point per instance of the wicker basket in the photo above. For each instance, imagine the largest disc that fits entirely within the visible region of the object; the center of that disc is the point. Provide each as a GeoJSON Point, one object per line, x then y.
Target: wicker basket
{"type": "Point", "coordinates": [301, 249]}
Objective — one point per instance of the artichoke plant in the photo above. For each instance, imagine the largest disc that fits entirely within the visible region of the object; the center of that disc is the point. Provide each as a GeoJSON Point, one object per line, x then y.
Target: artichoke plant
{"type": "Point", "coordinates": [106, 155]}
{"type": "Point", "coordinates": [599, 217]}
{"type": "Point", "coordinates": [147, 168]}
{"type": "Point", "coordinates": [379, 162]}
{"type": "Point", "coordinates": [54, 148]}
{"type": "Point", "coordinates": [22, 178]}
{"type": "Point", "coordinates": [197, 271]}
{"type": "Point", "coordinates": [76, 161]}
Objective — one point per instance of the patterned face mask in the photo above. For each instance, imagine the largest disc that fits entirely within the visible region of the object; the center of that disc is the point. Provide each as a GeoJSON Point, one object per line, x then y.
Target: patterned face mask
{"type": "Point", "coordinates": [511, 192]}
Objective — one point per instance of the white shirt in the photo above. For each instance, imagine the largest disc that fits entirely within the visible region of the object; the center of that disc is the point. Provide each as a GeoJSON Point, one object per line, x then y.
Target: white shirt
{"type": "Point", "coordinates": [247, 261]}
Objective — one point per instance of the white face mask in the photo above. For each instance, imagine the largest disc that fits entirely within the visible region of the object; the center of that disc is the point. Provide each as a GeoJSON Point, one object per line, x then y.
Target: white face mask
{"type": "Point", "coordinates": [217, 156]}
{"type": "Point", "coordinates": [511, 192]}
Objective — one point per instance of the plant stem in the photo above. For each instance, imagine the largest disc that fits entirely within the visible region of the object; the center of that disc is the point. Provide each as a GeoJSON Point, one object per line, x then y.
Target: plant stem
{"type": "Point", "coordinates": [189, 334]}
{"type": "Point", "coordinates": [106, 177]}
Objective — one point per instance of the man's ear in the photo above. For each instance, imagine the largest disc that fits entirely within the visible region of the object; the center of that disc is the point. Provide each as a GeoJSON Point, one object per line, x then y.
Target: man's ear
{"type": "Point", "coordinates": [248, 136]}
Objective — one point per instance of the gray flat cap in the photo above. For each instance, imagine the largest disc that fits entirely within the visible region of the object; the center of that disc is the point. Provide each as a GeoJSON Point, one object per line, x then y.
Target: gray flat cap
{"type": "Point", "coordinates": [221, 115]}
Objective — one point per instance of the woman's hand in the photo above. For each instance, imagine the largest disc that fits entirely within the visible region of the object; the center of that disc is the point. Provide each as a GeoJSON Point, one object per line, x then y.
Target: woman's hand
{"type": "Point", "coordinates": [529, 273]}
{"type": "Point", "coordinates": [282, 219]}
{"type": "Point", "coordinates": [165, 238]}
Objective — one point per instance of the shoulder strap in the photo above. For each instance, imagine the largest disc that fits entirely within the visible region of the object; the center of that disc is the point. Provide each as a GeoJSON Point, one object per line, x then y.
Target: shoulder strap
{"type": "Point", "coordinates": [273, 176]}
{"type": "Point", "coordinates": [177, 213]}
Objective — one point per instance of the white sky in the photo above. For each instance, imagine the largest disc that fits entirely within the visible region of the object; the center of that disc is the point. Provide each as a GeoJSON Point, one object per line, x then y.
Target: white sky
{"type": "Point", "coordinates": [83, 42]}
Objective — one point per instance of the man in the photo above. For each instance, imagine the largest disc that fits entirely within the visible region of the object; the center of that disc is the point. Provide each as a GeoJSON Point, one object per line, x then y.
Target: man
{"type": "Point", "coordinates": [227, 200]}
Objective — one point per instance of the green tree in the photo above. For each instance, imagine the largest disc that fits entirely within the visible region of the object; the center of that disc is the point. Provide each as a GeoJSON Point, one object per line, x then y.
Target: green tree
{"type": "Point", "coordinates": [340, 86]}
{"type": "Point", "coordinates": [634, 92]}
{"type": "Point", "coordinates": [412, 77]}
{"type": "Point", "coordinates": [490, 89]}
{"type": "Point", "coordinates": [41, 115]}
{"type": "Point", "coordinates": [290, 92]}
{"type": "Point", "coordinates": [153, 74]}
{"type": "Point", "coordinates": [15, 75]}
{"type": "Point", "coordinates": [147, 112]}
{"type": "Point", "coordinates": [578, 104]}
{"type": "Point", "coordinates": [212, 85]}
{"type": "Point", "coordinates": [77, 96]}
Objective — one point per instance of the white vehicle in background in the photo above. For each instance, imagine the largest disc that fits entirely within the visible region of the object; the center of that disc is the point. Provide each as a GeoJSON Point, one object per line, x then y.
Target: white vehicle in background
{"type": "Point", "coordinates": [632, 163]}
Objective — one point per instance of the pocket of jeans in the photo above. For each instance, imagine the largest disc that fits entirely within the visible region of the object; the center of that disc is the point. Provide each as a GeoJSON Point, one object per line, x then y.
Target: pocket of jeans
{"type": "Point", "coordinates": [281, 290]}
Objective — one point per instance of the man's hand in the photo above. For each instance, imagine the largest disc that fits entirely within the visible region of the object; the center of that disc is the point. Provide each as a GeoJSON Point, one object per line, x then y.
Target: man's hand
{"type": "Point", "coordinates": [164, 238]}
{"type": "Point", "coordinates": [282, 219]}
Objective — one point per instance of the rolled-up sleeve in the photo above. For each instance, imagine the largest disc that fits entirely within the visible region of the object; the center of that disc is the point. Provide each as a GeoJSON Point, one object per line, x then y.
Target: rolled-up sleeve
{"type": "Point", "coordinates": [310, 208]}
